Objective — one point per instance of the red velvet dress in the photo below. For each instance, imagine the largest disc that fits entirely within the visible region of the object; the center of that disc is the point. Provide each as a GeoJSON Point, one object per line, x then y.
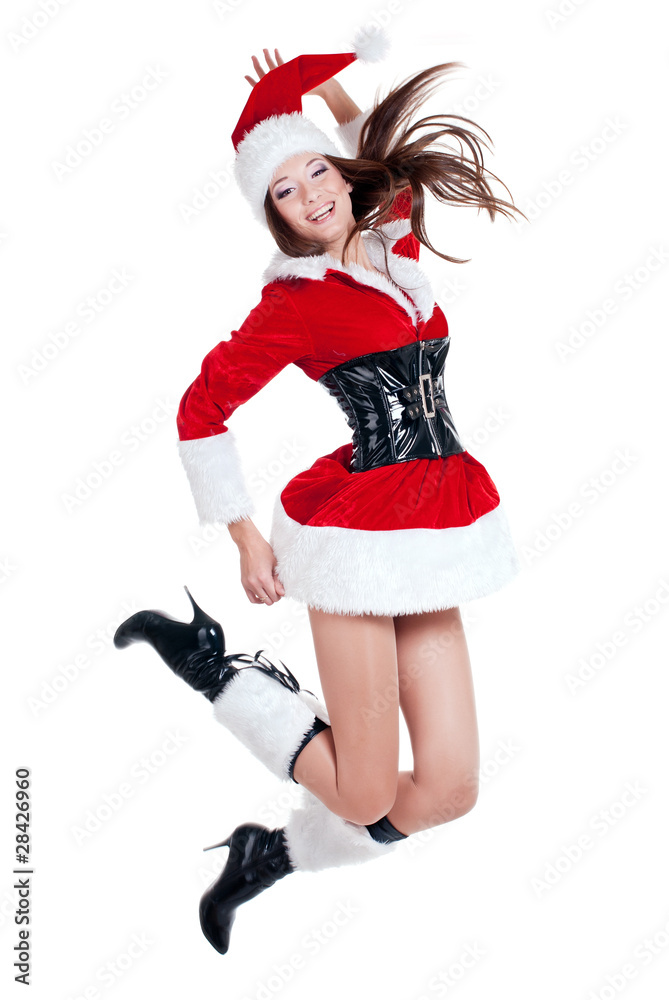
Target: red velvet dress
{"type": "Point", "coordinates": [403, 538]}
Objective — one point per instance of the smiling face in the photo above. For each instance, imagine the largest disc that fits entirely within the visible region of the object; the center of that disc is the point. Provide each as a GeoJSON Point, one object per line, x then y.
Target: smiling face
{"type": "Point", "coordinates": [306, 185]}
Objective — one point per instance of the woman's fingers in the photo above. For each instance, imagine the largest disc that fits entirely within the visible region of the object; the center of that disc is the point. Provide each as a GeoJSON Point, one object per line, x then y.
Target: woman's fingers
{"type": "Point", "coordinates": [257, 598]}
{"type": "Point", "coordinates": [262, 597]}
{"type": "Point", "coordinates": [256, 594]}
{"type": "Point", "coordinates": [272, 64]}
{"type": "Point", "coordinates": [280, 589]}
{"type": "Point", "coordinates": [258, 572]}
{"type": "Point", "coordinates": [262, 591]}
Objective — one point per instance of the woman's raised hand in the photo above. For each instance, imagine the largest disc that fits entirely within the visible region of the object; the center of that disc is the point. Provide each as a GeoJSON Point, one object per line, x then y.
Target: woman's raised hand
{"type": "Point", "coordinates": [258, 68]}
{"type": "Point", "coordinates": [320, 91]}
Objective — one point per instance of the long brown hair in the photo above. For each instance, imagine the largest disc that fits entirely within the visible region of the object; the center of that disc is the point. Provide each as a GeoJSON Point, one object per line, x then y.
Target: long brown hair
{"type": "Point", "coordinates": [389, 161]}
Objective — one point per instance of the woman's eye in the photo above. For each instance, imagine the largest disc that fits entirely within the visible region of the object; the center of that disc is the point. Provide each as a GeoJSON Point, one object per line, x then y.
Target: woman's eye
{"type": "Point", "coordinates": [282, 193]}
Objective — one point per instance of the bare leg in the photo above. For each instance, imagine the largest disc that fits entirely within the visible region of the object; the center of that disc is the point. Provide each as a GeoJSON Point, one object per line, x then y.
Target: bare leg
{"type": "Point", "coordinates": [352, 767]}
{"type": "Point", "coordinates": [432, 680]}
{"type": "Point", "coordinates": [438, 704]}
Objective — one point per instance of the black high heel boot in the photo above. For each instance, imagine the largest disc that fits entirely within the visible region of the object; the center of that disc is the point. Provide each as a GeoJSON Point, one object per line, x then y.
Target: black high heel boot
{"type": "Point", "coordinates": [195, 650]}
{"type": "Point", "coordinates": [258, 858]}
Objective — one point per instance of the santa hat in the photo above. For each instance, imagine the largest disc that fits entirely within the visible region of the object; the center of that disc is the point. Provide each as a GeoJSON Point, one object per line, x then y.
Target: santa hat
{"type": "Point", "coordinates": [272, 128]}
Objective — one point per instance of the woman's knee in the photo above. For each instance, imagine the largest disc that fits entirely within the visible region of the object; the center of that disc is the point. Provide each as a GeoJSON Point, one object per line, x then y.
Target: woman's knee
{"type": "Point", "coordinates": [368, 803]}
{"type": "Point", "coordinates": [452, 800]}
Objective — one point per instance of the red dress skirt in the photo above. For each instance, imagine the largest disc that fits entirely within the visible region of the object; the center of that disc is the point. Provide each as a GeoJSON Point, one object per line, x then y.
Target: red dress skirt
{"type": "Point", "coordinates": [428, 534]}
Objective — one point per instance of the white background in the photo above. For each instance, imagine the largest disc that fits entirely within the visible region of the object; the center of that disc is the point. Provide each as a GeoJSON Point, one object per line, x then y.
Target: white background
{"type": "Point", "coordinates": [504, 883]}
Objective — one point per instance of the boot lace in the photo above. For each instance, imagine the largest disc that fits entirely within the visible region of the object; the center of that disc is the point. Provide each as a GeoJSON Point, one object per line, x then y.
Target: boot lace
{"type": "Point", "coordinates": [260, 662]}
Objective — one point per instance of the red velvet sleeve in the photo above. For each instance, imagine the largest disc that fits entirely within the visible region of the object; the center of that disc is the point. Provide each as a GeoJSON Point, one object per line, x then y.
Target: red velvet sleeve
{"type": "Point", "coordinates": [272, 336]}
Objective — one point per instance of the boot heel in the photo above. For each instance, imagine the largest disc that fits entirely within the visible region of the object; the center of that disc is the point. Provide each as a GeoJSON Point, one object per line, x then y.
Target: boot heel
{"type": "Point", "coordinates": [199, 616]}
{"type": "Point", "coordinates": [223, 843]}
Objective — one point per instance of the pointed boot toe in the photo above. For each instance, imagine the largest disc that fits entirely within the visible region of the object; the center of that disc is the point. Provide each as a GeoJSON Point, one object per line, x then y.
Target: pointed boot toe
{"type": "Point", "coordinates": [194, 650]}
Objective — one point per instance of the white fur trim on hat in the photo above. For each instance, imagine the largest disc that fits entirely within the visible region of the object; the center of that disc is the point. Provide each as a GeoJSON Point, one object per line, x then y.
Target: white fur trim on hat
{"type": "Point", "coordinates": [269, 144]}
{"type": "Point", "coordinates": [216, 480]}
{"type": "Point", "coordinates": [316, 838]}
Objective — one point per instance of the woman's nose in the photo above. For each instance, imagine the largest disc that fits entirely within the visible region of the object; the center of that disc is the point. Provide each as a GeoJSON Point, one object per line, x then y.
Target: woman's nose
{"type": "Point", "coordinates": [311, 191]}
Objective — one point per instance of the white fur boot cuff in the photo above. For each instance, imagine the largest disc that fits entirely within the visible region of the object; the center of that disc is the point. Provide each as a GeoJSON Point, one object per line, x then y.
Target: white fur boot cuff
{"type": "Point", "coordinates": [317, 838]}
{"type": "Point", "coordinates": [267, 717]}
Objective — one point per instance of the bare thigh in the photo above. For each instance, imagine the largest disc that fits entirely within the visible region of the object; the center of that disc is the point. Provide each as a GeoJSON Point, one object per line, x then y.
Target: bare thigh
{"type": "Point", "coordinates": [438, 704]}
{"type": "Point", "coordinates": [357, 665]}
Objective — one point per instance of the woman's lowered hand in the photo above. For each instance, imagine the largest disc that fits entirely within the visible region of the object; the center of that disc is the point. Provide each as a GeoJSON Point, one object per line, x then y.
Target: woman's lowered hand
{"type": "Point", "coordinates": [257, 562]}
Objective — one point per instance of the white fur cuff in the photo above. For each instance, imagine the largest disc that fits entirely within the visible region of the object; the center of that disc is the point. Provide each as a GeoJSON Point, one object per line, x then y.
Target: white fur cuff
{"type": "Point", "coordinates": [216, 480]}
{"type": "Point", "coordinates": [317, 838]}
{"type": "Point", "coordinates": [348, 133]}
{"type": "Point", "coordinates": [264, 715]}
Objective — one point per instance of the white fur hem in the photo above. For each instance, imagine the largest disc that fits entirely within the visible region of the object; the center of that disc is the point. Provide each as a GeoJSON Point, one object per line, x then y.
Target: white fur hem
{"type": "Point", "coordinates": [407, 571]}
{"type": "Point", "coordinates": [216, 480]}
{"type": "Point", "coordinates": [317, 838]}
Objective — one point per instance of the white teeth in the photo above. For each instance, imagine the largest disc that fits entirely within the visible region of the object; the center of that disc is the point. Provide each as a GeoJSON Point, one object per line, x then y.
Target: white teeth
{"type": "Point", "coordinates": [314, 218]}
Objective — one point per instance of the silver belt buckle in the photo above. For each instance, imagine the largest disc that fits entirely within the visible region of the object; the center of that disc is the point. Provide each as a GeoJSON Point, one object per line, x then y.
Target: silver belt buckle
{"type": "Point", "coordinates": [421, 382]}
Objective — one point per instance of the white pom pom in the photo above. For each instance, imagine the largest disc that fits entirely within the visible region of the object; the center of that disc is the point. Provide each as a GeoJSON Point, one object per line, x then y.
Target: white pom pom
{"type": "Point", "coordinates": [371, 43]}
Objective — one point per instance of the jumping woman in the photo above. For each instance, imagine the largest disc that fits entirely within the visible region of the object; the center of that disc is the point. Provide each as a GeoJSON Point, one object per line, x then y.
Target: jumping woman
{"type": "Point", "coordinates": [381, 539]}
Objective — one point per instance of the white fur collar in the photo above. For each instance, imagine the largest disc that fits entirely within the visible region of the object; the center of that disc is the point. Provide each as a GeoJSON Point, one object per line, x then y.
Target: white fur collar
{"type": "Point", "coordinates": [404, 271]}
